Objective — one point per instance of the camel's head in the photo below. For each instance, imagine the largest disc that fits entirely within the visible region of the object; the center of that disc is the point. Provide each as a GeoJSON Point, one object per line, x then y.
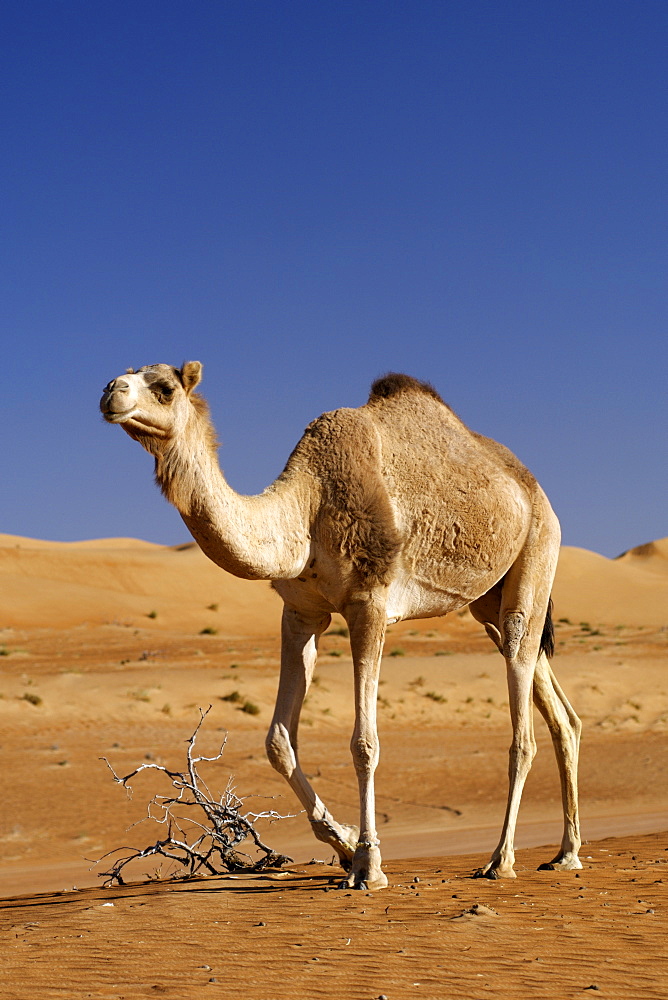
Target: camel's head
{"type": "Point", "coordinates": [153, 402]}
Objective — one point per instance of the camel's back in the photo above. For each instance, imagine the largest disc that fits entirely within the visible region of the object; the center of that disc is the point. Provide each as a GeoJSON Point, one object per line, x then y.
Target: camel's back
{"type": "Point", "coordinates": [463, 503]}
{"type": "Point", "coordinates": [424, 442]}
{"type": "Point", "coordinates": [402, 488]}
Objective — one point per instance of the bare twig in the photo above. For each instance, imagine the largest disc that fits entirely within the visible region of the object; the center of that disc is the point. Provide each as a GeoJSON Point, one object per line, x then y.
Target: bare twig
{"type": "Point", "coordinates": [201, 846]}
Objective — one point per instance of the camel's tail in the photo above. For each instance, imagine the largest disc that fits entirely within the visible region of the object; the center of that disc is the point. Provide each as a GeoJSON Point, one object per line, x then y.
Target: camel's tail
{"type": "Point", "coordinates": [547, 638]}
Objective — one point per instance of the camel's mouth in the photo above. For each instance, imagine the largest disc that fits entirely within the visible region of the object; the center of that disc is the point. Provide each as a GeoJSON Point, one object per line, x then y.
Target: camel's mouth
{"type": "Point", "coordinates": [114, 416]}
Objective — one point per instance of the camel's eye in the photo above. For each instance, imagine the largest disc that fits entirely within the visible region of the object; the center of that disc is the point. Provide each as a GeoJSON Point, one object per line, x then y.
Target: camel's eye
{"type": "Point", "coordinates": [163, 391]}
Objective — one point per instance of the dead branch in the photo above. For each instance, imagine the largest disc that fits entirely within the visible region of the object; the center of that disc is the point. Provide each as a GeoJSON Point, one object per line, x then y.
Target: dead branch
{"type": "Point", "coordinates": [207, 844]}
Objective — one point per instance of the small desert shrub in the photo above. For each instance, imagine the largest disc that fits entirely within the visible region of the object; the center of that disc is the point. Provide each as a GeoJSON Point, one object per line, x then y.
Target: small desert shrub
{"type": "Point", "coordinates": [233, 696]}
{"type": "Point", "coordinates": [443, 652]}
{"type": "Point", "coordinates": [212, 607]}
{"type": "Point", "coordinates": [32, 698]}
{"type": "Point", "coordinates": [209, 630]}
{"type": "Point", "coordinates": [139, 695]}
{"type": "Point", "coordinates": [435, 696]}
{"type": "Point", "coordinates": [416, 682]}
{"type": "Point", "coordinates": [397, 651]}
{"type": "Point", "coordinates": [335, 652]}
{"type": "Point", "coordinates": [250, 708]}
{"type": "Point", "coordinates": [339, 630]}
{"type": "Point", "coordinates": [152, 614]}
{"type": "Point", "coordinates": [4, 651]}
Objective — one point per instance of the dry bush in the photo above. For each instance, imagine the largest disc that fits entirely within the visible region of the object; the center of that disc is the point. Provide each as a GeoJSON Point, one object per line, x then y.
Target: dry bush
{"type": "Point", "coordinates": [203, 832]}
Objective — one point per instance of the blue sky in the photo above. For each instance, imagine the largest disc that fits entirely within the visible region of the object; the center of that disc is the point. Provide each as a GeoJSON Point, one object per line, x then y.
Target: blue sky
{"type": "Point", "coordinates": [303, 195]}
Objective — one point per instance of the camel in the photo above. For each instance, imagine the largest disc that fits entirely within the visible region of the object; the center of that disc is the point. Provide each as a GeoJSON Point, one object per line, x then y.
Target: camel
{"type": "Point", "coordinates": [391, 511]}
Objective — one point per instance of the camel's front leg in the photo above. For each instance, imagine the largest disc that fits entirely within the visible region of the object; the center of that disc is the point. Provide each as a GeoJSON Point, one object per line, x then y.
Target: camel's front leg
{"type": "Point", "coordinates": [366, 620]}
{"type": "Point", "coordinates": [299, 651]}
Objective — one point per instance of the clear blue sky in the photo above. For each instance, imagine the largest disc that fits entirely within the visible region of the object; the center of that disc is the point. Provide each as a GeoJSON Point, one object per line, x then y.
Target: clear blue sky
{"type": "Point", "coordinates": [303, 195]}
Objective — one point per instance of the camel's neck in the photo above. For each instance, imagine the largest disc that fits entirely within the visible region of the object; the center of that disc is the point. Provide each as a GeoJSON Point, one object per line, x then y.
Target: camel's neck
{"type": "Point", "coordinates": [263, 537]}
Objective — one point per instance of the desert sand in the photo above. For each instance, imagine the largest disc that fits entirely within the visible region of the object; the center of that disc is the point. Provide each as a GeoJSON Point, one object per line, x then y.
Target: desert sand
{"type": "Point", "coordinates": [109, 648]}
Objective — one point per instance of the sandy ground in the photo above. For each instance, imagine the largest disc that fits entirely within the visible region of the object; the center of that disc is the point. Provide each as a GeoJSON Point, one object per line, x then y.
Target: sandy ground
{"type": "Point", "coordinates": [109, 649]}
{"type": "Point", "coordinates": [435, 933]}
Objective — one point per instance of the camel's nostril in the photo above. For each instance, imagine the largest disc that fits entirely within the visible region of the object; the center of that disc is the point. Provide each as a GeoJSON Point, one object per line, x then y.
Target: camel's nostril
{"type": "Point", "coordinates": [117, 385]}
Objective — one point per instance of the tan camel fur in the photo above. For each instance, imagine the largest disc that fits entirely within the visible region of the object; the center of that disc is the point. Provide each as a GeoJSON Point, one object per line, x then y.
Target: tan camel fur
{"type": "Point", "coordinates": [392, 511]}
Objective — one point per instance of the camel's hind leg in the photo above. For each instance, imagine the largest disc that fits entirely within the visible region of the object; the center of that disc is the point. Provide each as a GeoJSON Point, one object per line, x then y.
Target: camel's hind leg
{"type": "Point", "coordinates": [520, 665]}
{"type": "Point", "coordinates": [518, 630]}
{"type": "Point", "coordinates": [563, 723]}
{"type": "Point", "coordinates": [299, 650]}
{"type": "Point", "coordinates": [565, 728]}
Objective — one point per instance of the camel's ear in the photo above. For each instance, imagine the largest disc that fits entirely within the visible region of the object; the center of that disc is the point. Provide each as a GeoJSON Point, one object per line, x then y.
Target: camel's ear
{"type": "Point", "coordinates": [191, 375]}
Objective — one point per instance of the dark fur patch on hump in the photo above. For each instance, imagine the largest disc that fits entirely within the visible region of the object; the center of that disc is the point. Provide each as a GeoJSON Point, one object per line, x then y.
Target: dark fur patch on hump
{"type": "Point", "coordinates": [394, 383]}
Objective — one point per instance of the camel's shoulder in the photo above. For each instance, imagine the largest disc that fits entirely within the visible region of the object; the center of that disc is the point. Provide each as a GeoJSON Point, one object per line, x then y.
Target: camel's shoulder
{"type": "Point", "coordinates": [342, 452]}
{"type": "Point", "coordinates": [341, 444]}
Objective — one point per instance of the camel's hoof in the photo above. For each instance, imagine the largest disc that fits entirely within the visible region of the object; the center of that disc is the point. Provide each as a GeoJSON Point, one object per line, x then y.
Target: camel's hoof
{"type": "Point", "coordinates": [491, 873]}
{"type": "Point", "coordinates": [365, 884]}
{"type": "Point", "coordinates": [569, 863]}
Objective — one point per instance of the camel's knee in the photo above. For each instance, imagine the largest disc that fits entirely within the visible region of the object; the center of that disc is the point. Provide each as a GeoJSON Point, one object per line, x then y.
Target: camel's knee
{"type": "Point", "coordinates": [365, 754]}
{"type": "Point", "coordinates": [512, 632]}
{"type": "Point", "coordinates": [280, 750]}
{"type": "Point", "coordinates": [522, 753]}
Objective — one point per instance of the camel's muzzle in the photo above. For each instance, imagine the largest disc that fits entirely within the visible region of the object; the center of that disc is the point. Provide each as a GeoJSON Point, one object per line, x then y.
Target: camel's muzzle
{"type": "Point", "coordinates": [116, 401]}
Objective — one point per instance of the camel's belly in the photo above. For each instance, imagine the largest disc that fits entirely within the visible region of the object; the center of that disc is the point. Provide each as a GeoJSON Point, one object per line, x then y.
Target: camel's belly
{"type": "Point", "coordinates": [408, 597]}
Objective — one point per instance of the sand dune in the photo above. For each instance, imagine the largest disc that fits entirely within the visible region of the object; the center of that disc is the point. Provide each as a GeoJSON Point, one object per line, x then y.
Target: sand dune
{"type": "Point", "coordinates": [651, 556]}
{"type": "Point", "coordinates": [66, 583]}
{"type": "Point", "coordinates": [630, 590]}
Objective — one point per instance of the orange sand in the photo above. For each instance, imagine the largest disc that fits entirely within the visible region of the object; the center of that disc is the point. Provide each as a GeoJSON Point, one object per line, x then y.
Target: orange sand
{"type": "Point", "coordinates": [104, 655]}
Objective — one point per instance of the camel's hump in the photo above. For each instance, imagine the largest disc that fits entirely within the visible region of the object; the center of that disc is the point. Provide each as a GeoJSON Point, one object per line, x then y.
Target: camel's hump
{"type": "Point", "coordinates": [395, 383]}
